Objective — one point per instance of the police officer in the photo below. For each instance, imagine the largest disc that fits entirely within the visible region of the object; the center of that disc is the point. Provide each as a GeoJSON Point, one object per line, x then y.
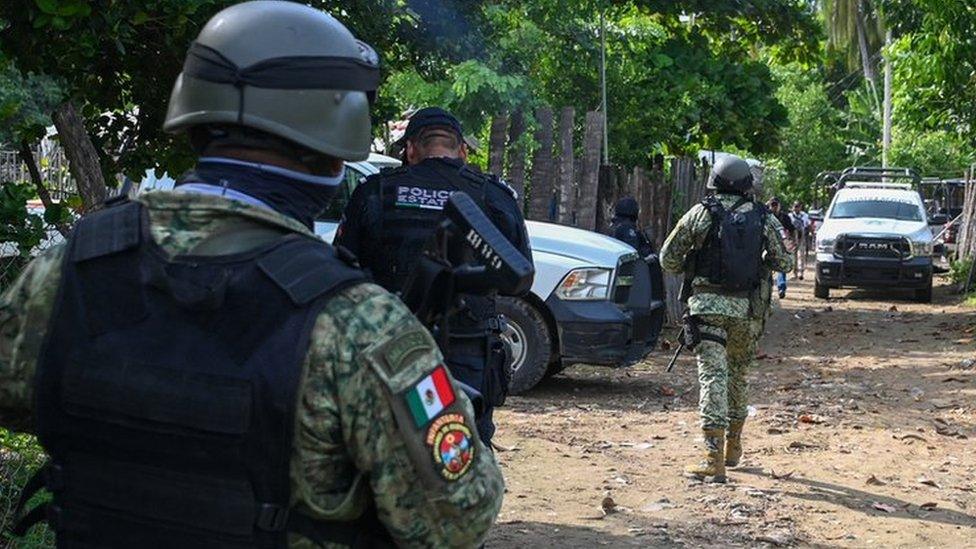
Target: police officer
{"type": "Point", "coordinates": [203, 371]}
{"type": "Point", "coordinates": [624, 226]}
{"type": "Point", "coordinates": [390, 217]}
{"type": "Point", "coordinates": [720, 302]}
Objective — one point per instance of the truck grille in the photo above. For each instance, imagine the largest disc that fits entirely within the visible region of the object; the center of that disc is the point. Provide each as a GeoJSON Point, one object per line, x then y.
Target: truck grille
{"type": "Point", "coordinates": [624, 281]}
{"type": "Point", "coordinates": [866, 247]}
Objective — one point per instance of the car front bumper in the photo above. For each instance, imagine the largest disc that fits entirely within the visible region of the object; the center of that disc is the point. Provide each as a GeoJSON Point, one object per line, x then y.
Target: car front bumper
{"type": "Point", "coordinates": [833, 272]}
{"type": "Point", "coordinates": [617, 332]}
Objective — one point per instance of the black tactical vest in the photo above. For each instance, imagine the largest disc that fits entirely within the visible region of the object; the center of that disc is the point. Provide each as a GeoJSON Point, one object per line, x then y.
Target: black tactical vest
{"type": "Point", "coordinates": [732, 253]}
{"type": "Point", "coordinates": [166, 389]}
{"type": "Point", "coordinates": [412, 201]}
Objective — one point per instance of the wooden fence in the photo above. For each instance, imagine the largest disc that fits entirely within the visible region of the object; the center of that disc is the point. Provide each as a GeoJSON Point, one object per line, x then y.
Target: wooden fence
{"type": "Point", "coordinates": [564, 180]}
{"type": "Point", "coordinates": [51, 162]}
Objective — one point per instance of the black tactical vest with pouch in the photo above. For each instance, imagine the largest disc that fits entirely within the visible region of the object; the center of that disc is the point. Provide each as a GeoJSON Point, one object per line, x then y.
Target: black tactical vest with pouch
{"type": "Point", "coordinates": [731, 257]}
{"type": "Point", "coordinates": [166, 389]}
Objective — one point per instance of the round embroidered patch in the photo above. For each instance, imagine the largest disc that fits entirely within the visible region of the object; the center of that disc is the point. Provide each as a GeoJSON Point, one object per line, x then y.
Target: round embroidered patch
{"type": "Point", "coordinates": [451, 445]}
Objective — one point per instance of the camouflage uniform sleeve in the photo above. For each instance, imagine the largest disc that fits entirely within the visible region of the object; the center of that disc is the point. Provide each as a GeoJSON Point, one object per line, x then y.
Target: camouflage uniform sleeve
{"type": "Point", "coordinates": [433, 482]}
{"type": "Point", "coordinates": [777, 258]}
{"type": "Point", "coordinates": [686, 237]}
{"type": "Point", "coordinates": [25, 309]}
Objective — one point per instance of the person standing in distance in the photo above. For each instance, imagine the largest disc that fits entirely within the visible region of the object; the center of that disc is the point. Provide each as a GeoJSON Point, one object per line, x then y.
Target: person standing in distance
{"type": "Point", "coordinates": [624, 226]}
{"type": "Point", "coordinates": [204, 371]}
{"type": "Point", "coordinates": [390, 217]}
{"type": "Point", "coordinates": [801, 225]}
{"type": "Point", "coordinates": [788, 234]}
{"type": "Point", "coordinates": [722, 245]}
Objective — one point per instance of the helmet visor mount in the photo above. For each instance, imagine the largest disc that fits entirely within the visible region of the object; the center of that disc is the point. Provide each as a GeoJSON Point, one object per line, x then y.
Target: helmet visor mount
{"type": "Point", "coordinates": [288, 73]}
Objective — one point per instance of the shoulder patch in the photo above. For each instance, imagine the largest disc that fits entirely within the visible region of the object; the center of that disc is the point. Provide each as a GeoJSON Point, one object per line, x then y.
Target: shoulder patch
{"type": "Point", "coordinates": [434, 425]}
{"type": "Point", "coordinates": [430, 396]}
{"type": "Point", "coordinates": [452, 445]}
{"type": "Point", "coordinates": [408, 343]}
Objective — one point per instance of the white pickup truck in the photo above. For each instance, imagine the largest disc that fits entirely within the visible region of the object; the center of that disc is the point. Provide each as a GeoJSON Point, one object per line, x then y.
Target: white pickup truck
{"type": "Point", "coordinates": [875, 235]}
{"type": "Point", "coordinates": [593, 299]}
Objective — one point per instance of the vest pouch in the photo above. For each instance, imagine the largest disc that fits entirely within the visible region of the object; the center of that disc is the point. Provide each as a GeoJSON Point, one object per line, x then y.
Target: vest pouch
{"type": "Point", "coordinates": [155, 398]}
{"type": "Point", "coordinates": [187, 502]}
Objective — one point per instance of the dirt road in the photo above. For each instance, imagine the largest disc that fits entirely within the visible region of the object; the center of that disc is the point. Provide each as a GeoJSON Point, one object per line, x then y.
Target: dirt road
{"type": "Point", "coordinates": [862, 435]}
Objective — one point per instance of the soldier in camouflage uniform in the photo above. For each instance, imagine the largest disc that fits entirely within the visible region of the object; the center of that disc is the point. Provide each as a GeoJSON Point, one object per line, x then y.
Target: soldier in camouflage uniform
{"type": "Point", "coordinates": [760, 307]}
{"type": "Point", "coordinates": [723, 317]}
{"type": "Point", "coordinates": [293, 403]}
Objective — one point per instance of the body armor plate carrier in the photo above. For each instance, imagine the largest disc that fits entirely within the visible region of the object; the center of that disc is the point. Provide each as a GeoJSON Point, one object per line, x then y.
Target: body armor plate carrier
{"type": "Point", "coordinates": [731, 257]}
{"type": "Point", "coordinates": [166, 389]}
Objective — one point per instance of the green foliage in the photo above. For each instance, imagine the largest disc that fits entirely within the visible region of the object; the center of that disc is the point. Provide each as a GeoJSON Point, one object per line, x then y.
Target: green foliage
{"type": "Point", "coordinates": [672, 86]}
{"type": "Point", "coordinates": [935, 64]}
{"type": "Point", "coordinates": [17, 225]}
{"type": "Point", "coordinates": [933, 153]}
{"type": "Point", "coordinates": [959, 270]}
{"type": "Point", "coordinates": [812, 142]}
{"type": "Point", "coordinates": [22, 456]}
{"type": "Point", "coordinates": [855, 30]}
{"type": "Point", "coordinates": [118, 60]}
{"type": "Point", "coordinates": [25, 101]}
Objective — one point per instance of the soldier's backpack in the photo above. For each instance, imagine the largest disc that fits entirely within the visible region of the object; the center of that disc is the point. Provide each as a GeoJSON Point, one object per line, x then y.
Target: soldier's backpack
{"type": "Point", "coordinates": [732, 254]}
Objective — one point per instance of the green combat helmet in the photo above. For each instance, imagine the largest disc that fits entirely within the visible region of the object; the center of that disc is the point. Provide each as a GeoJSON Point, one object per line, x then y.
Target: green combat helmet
{"type": "Point", "coordinates": [730, 173]}
{"type": "Point", "coordinates": [284, 69]}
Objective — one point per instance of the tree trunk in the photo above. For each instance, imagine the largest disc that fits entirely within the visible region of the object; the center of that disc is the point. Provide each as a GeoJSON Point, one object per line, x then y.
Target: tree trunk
{"type": "Point", "coordinates": [82, 156]}
{"type": "Point", "coordinates": [27, 157]}
{"type": "Point", "coordinates": [540, 193]}
{"type": "Point", "coordinates": [516, 156]}
{"type": "Point", "coordinates": [496, 145]}
{"type": "Point", "coordinates": [567, 191]}
{"type": "Point", "coordinates": [867, 63]}
{"type": "Point", "coordinates": [592, 138]}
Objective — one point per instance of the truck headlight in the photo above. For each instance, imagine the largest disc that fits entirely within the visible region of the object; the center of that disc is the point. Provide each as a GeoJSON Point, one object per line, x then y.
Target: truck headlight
{"type": "Point", "coordinates": [588, 283]}
{"type": "Point", "coordinates": [922, 249]}
{"type": "Point", "coordinates": [826, 245]}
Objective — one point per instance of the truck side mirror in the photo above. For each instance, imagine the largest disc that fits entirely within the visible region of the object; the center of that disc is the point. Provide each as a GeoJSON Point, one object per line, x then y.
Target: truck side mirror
{"type": "Point", "coordinates": [939, 219]}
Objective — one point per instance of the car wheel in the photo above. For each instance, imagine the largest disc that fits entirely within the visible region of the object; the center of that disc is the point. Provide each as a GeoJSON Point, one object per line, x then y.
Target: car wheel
{"type": "Point", "coordinates": [529, 343]}
{"type": "Point", "coordinates": [820, 291]}
{"type": "Point", "coordinates": [924, 295]}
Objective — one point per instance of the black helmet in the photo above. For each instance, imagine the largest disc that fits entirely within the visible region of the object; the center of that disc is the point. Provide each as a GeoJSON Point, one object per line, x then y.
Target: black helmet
{"type": "Point", "coordinates": [626, 207]}
{"type": "Point", "coordinates": [731, 173]}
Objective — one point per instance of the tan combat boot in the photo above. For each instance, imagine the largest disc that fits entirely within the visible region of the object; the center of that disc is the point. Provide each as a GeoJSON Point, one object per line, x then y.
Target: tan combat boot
{"type": "Point", "coordinates": [712, 468]}
{"type": "Point", "coordinates": [733, 444]}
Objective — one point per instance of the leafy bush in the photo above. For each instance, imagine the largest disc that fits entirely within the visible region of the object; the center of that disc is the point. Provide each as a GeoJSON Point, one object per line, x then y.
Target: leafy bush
{"type": "Point", "coordinates": [20, 457]}
{"type": "Point", "coordinates": [959, 270]}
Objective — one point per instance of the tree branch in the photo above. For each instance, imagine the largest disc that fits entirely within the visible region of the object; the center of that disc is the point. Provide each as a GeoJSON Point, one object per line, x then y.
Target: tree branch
{"type": "Point", "coordinates": [27, 156]}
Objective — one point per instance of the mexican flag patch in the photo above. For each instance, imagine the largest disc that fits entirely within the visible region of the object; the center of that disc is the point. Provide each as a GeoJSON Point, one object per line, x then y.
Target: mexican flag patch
{"type": "Point", "coordinates": [430, 396]}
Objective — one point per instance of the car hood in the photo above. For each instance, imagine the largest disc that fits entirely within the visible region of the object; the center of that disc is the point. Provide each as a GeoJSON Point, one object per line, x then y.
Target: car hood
{"type": "Point", "coordinates": [586, 246]}
{"type": "Point", "coordinates": [870, 225]}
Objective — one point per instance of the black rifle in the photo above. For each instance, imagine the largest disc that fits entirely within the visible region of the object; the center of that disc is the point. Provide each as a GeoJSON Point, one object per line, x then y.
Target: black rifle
{"type": "Point", "coordinates": [689, 336]}
{"type": "Point", "coordinates": [467, 254]}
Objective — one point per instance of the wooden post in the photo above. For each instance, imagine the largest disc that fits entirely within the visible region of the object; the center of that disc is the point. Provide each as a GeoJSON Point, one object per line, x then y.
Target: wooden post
{"type": "Point", "coordinates": [541, 191]}
{"type": "Point", "coordinates": [592, 135]}
{"type": "Point", "coordinates": [606, 196]}
{"type": "Point", "coordinates": [496, 144]}
{"type": "Point", "coordinates": [567, 190]}
{"type": "Point", "coordinates": [516, 156]}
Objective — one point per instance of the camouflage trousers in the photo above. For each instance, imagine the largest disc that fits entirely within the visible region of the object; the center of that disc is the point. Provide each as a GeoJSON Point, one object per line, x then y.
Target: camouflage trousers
{"type": "Point", "coordinates": [722, 370]}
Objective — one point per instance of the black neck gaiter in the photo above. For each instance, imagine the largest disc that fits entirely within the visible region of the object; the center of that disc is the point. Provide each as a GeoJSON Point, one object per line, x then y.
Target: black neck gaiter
{"type": "Point", "coordinates": [295, 197]}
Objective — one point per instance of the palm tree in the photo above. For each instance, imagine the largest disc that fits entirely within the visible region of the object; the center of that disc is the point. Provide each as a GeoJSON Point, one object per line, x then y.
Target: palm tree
{"type": "Point", "coordinates": [855, 28]}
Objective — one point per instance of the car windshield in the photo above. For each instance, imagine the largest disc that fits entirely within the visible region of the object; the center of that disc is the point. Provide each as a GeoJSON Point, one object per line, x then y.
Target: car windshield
{"type": "Point", "coordinates": [885, 209]}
